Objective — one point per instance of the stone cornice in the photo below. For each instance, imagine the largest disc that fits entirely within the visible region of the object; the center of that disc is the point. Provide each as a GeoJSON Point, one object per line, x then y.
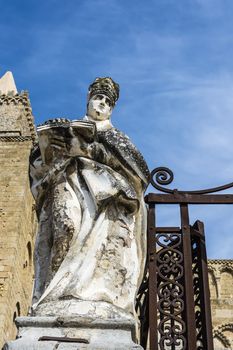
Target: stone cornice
{"type": "Point", "coordinates": [15, 138]}
{"type": "Point", "coordinates": [220, 261]}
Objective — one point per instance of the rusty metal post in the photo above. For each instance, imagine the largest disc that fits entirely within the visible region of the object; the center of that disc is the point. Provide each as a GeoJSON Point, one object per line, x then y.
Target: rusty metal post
{"type": "Point", "coordinates": [189, 292]}
{"type": "Point", "coordinates": [206, 322]}
{"type": "Point", "coordinates": [153, 279]}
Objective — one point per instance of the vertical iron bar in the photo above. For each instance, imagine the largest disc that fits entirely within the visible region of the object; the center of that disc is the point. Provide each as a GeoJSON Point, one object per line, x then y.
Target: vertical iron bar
{"type": "Point", "coordinates": [205, 292]}
{"type": "Point", "coordinates": [188, 278]}
{"type": "Point", "coordinates": [152, 279]}
{"type": "Point", "coordinates": [173, 347]}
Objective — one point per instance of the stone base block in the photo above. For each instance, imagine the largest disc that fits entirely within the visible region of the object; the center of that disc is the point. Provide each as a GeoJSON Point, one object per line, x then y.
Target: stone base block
{"type": "Point", "coordinates": [73, 333]}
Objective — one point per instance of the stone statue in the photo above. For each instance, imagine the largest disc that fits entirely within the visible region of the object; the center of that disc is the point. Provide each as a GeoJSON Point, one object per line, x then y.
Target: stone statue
{"type": "Point", "coordinates": [88, 181]}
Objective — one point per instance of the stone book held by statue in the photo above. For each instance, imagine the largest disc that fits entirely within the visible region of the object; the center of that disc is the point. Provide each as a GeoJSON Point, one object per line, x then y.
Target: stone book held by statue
{"type": "Point", "coordinates": [50, 133]}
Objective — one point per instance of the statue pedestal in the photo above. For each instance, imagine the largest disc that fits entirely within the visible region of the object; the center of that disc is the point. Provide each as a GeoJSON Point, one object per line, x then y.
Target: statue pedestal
{"type": "Point", "coordinates": [73, 333]}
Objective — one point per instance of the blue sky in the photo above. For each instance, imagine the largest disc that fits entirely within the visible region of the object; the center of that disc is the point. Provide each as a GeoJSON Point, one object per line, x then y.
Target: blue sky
{"type": "Point", "coordinates": [173, 61]}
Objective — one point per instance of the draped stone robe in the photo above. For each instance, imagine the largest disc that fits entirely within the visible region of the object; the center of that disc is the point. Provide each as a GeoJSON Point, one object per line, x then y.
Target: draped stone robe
{"type": "Point", "coordinates": [91, 244]}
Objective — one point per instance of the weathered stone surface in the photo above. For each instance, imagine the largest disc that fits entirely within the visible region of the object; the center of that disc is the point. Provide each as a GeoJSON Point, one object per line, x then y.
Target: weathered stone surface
{"type": "Point", "coordinates": [89, 334]}
{"type": "Point", "coordinates": [16, 120]}
{"type": "Point", "coordinates": [221, 291]}
{"type": "Point", "coordinates": [88, 180]}
{"type": "Point", "coordinates": [17, 213]}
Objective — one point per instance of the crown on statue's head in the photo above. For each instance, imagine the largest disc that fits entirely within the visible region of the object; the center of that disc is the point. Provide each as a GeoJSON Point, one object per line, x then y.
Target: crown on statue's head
{"type": "Point", "coordinates": [104, 86]}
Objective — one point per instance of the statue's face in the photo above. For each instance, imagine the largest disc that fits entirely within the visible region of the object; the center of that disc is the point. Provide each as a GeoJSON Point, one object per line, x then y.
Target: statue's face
{"type": "Point", "coordinates": [99, 107]}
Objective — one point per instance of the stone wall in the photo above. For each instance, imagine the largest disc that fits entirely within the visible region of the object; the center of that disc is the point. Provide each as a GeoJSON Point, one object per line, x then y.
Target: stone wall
{"type": "Point", "coordinates": [17, 214]}
{"type": "Point", "coordinates": [221, 291]}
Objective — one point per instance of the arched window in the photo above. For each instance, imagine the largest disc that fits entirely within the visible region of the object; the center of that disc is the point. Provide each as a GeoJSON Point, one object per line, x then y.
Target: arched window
{"type": "Point", "coordinates": [17, 312]}
{"type": "Point", "coordinates": [226, 284]}
{"type": "Point", "coordinates": [18, 308]}
{"type": "Point", "coordinates": [213, 285]}
{"type": "Point", "coordinates": [28, 258]}
{"type": "Point", "coordinates": [29, 250]}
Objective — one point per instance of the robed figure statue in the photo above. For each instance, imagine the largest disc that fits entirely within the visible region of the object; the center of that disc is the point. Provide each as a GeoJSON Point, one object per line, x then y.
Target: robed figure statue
{"type": "Point", "coordinates": [88, 181]}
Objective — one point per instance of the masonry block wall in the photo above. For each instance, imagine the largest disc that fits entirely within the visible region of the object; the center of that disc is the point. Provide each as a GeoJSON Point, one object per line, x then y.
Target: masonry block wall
{"type": "Point", "coordinates": [17, 213]}
{"type": "Point", "coordinates": [221, 292]}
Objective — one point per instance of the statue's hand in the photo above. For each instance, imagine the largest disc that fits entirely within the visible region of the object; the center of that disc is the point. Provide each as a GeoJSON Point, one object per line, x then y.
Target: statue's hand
{"type": "Point", "coordinates": [77, 146]}
{"type": "Point", "coordinates": [59, 142]}
{"type": "Point", "coordinates": [69, 144]}
{"type": "Point", "coordinates": [62, 142]}
{"type": "Point", "coordinates": [59, 147]}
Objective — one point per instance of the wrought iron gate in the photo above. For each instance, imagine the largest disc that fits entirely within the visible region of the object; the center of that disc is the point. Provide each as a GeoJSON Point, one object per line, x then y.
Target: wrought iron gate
{"type": "Point", "coordinates": [173, 302]}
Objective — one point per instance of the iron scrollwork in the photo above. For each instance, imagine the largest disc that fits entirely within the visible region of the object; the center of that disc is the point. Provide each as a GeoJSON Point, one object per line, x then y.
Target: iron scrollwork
{"type": "Point", "coordinates": [177, 294]}
{"type": "Point", "coordinates": [142, 308]}
{"type": "Point", "coordinates": [198, 242]}
{"type": "Point", "coordinates": [197, 295]}
{"type": "Point", "coordinates": [164, 176]}
{"type": "Point", "coordinates": [171, 326]}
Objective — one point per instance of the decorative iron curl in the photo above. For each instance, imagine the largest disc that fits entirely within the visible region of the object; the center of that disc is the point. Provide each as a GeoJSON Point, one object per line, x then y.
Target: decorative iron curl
{"type": "Point", "coordinates": [164, 176]}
